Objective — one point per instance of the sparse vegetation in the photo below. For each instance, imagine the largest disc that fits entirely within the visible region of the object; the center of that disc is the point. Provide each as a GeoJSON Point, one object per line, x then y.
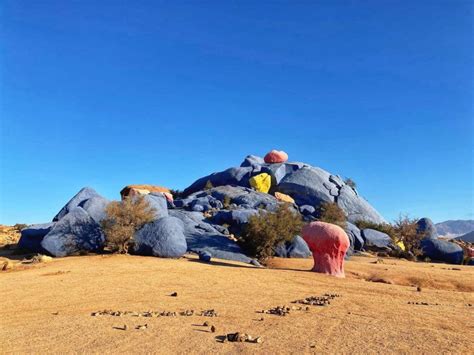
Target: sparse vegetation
{"type": "Point", "coordinates": [227, 202]}
{"type": "Point", "coordinates": [20, 226]}
{"type": "Point", "coordinates": [123, 219]}
{"type": "Point", "coordinates": [268, 229]}
{"type": "Point", "coordinates": [330, 212]}
{"type": "Point", "coordinates": [350, 182]}
{"type": "Point", "coordinates": [403, 229]}
{"type": "Point", "coordinates": [208, 185]}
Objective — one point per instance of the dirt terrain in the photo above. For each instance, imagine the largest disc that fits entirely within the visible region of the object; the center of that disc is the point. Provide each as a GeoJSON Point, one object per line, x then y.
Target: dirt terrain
{"type": "Point", "coordinates": [48, 307]}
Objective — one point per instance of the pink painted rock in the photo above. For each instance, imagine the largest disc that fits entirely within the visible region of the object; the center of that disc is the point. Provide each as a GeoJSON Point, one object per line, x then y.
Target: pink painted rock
{"type": "Point", "coordinates": [276, 156]}
{"type": "Point", "coordinates": [329, 244]}
{"type": "Point", "coordinates": [168, 196]}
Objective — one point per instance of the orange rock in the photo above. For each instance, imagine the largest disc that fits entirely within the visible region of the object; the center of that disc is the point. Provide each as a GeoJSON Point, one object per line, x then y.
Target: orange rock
{"type": "Point", "coordinates": [283, 197]}
{"type": "Point", "coordinates": [133, 190]}
{"type": "Point", "coordinates": [276, 156]}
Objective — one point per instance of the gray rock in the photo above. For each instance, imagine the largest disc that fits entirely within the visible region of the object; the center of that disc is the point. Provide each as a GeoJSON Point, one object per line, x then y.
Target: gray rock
{"type": "Point", "coordinates": [233, 176]}
{"type": "Point", "coordinates": [426, 227]}
{"type": "Point", "coordinates": [306, 186]}
{"type": "Point", "coordinates": [74, 233]}
{"type": "Point", "coordinates": [307, 210]}
{"type": "Point", "coordinates": [203, 237]}
{"type": "Point", "coordinates": [205, 256]}
{"type": "Point", "coordinates": [32, 236]}
{"type": "Point", "coordinates": [158, 202]}
{"type": "Point", "coordinates": [442, 250]}
{"type": "Point", "coordinates": [279, 170]}
{"type": "Point", "coordinates": [356, 208]}
{"type": "Point", "coordinates": [95, 207]}
{"type": "Point", "coordinates": [253, 161]}
{"type": "Point", "coordinates": [84, 194]}
{"type": "Point", "coordinates": [163, 238]}
{"type": "Point", "coordinates": [297, 248]}
{"type": "Point", "coordinates": [376, 240]}
{"type": "Point", "coordinates": [336, 180]}
{"type": "Point", "coordinates": [245, 197]}
{"type": "Point", "coordinates": [357, 242]}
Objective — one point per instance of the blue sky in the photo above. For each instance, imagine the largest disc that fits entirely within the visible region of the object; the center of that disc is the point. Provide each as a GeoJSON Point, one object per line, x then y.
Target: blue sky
{"type": "Point", "coordinates": [109, 93]}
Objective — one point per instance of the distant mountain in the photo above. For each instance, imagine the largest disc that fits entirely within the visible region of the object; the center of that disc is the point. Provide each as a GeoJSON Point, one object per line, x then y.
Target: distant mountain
{"type": "Point", "coordinates": [452, 229]}
{"type": "Point", "coordinates": [469, 237]}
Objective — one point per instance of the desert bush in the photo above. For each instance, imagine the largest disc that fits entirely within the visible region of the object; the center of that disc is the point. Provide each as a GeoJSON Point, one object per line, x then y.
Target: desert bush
{"type": "Point", "coordinates": [350, 182]}
{"type": "Point", "coordinates": [330, 212]}
{"type": "Point", "coordinates": [405, 230]}
{"type": "Point", "coordinates": [227, 202]}
{"type": "Point", "coordinates": [123, 219]}
{"type": "Point", "coordinates": [208, 185]}
{"type": "Point", "coordinates": [266, 230]}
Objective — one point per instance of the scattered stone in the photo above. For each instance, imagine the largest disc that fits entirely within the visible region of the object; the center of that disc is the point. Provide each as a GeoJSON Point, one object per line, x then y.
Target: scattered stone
{"type": "Point", "coordinates": [209, 313]}
{"type": "Point", "coordinates": [205, 324]}
{"type": "Point", "coordinates": [213, 329]}
{"type": "Point", "coordinates": [318, 300]}
{"type": "Point", "coordinates": [174, 294]}
{"type": "Point", "coordinates": [144, 326]}
{"type": "Point", "coordinates": [418, 289]}
{"type": "Point", "coordinates": [7, 266]}
{"type": "Point", "coordinates": [243, 337]}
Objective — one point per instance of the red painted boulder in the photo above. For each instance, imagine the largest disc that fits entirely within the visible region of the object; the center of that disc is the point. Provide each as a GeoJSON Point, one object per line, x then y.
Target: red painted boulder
{"type": "Point", "coordinates": [276, 156]}
{"type": "Point", "coordinates": [329, 244]}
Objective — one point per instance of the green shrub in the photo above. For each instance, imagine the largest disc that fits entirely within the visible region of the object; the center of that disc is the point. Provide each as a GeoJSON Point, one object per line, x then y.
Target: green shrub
{"type": "Point", "coordinates": [268, 229]}
{"type": "Point", "coordinates": [330, 212]}
{"type": "Point", "coordinates": [123, 219]}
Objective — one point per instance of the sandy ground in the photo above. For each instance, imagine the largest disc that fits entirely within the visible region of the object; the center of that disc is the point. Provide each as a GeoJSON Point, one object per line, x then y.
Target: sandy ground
{"type": "Point", "coordinates": [46, 308]}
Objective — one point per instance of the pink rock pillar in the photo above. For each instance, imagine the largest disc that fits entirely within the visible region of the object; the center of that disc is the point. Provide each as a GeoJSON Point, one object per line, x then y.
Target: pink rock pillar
{"type": "Point", "coordinates": [329, 244]}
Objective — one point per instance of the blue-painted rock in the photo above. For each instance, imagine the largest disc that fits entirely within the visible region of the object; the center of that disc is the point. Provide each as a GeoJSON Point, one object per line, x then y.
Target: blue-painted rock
{"type": "Point", "coordinates": [203, 237]}
{"type": "Point", "coordinates": [95, 207]}
{"type": "Point", "coordinates": [306, 186]}
{"type": "Point", "coordinates": [32, 236]}
{"type": "Point", "coordinates": [245, 197]}
{"type": "Point", "coordinates": [233, 176]}
{"type": "Point", "coordinates": [307, 210]}
{"type": "Point", "coordinates": [426, 228]}
{"type": "Point", "coordinates": [74, 233]}
{"type": "Point", "coordinates": [375, 240]}
{"type": "Point", "coordinates": [205, 256]}
{"type": "Point", "coordinates": [354, 234]}
{"type": "Point", "coordinates": [442, 250]}
{"type": "Point", "coordinates": [297, 248]}
{"type": "Point", "coordinates": [356, 208]}
{"type": "Point", "coordinates": [84, 194]}
{"type": "Point", "coordinates": [254, 162]}
{"type": "Point", "coordinates": [159, 203]}
{"type": "Point", "coordinates": [279, 171]}
{"type": "Point", "coordinates": [204, 203]}
{"type": "Point", "coordinates": [163, 238]}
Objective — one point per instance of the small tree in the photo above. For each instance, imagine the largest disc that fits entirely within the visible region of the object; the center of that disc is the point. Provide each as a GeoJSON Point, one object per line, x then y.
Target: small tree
{"type": "Point", "coordinates": [405, 230]}
{"type": "Point", "coordinates": [123, 219]}
{"type": "Point", "coordinates": [330, 212]}
{"type": "Point", "coordinates": [266, 230]}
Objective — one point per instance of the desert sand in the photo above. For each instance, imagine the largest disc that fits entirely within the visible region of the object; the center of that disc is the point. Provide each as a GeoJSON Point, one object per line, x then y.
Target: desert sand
{"type": "Point", "coordinates": [47, 307]}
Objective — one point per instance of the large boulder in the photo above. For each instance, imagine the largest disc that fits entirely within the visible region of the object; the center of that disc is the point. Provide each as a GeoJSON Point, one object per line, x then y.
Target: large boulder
{"type": "Point", "coordinates": [163, 238]}
{"type": "Point", "coordinates": [74, 233]}
{"type": "Point", "coordinates": [329, 244]}
{"type": "Point", "coordinates": [233, 176]}
{"type": "Point", "coordinates": [261, 182]}
{"type": "Point", "coordinates": [253, 161]}
{"type": "Point", "coordinates": [279, 171]}
{"type": "Point", "coordinates": [355, 236]}
{"type": "Point", "coordinates": [375, 240]}
{"type": "Point", "coordinates": [276, 156]}
{"type": "Point", "coordinates": [32, 236]}
{"type": "Point", "coordinates": [426, 228]}
{"type": "Point", "coordinates": [95, 207]}
{"type": "Point", "coordinates": [442, 250]}
{"type": "Point", "coordinates": [306, 186]}
{"type": "Point", "coordinates": [356, 207]}
{"type": "Point", "coordinates": [203, 237]}
{"type": "Point", "coordinates": [135, 190]}
{"type": "Point", "coordinates": [244, 197]}
{"type": "Point", "coordinates": [158, 202]}
{"type": "Point", "coordinates": [84, 194]}
{"type": "Point", "coordinates": [297, 248]}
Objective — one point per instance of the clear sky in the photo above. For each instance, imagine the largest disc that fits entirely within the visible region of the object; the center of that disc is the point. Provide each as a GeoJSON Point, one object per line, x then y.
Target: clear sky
{"type": "Point", "coordinates": [110, 93]}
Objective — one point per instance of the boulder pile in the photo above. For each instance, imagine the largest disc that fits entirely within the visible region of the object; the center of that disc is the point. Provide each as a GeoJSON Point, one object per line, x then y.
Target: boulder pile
{"type": "Point", "coordinates": [208, 217]}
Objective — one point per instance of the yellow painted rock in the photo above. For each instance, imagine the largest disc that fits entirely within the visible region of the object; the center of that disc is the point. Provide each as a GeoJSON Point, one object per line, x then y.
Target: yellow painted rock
{"type": "Point", "coordinates": [283, 197]}
{"type": "Point", "coordinates": [401, 245]}
{"type": "Point", "coordinates": [261, 182]}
